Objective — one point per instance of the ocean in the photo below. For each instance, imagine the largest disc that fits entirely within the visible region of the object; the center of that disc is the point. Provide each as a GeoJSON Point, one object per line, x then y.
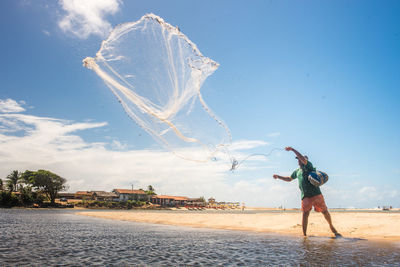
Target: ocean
{"type": "Point", "coordinates": [61, 238]}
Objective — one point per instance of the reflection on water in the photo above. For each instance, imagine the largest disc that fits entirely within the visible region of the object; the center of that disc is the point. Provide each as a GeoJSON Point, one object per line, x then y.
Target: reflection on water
{"type": "Point", "coordinates": [58, 237]}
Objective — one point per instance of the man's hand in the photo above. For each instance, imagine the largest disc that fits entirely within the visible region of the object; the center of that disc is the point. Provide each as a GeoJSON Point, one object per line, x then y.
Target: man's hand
{"type": "Point", "coordinates": [283, 178]}
{"type": "Point", "coordinates": [302, 159]}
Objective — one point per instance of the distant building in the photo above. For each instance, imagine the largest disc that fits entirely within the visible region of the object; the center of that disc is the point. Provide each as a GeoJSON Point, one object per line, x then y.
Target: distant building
{"type": "Point", "coordinates": [170, 201]}
{"type": "Point", "coordinates": [195, 203]}
{"type": "Point", "coordinates": [197, 199]}
{"type": "Point", "coordinates": [127, 194]}
{"type": "Point", "coordinates": [104, 196]}
{"type": "Point", "coordinates": [84, 195]}
{"type": "Point", "coordinates": [66, 195]}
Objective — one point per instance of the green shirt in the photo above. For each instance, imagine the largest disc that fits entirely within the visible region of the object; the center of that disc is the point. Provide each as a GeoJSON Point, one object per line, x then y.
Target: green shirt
{"type": "Point", "coordinates": [306, 188]}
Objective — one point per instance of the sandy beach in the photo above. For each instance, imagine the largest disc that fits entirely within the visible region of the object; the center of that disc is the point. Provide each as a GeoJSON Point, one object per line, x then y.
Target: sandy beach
{"type": "Point", "coordinates": [375, 226]}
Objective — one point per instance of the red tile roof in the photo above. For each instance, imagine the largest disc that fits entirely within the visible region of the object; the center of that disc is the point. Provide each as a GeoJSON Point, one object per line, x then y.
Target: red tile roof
{"type": "Point", "coordinates": [86, 193]}
{"type": "Point", "coordinates": [63, 194]}
{"type": "Point", "coordinates": [128, 191]}
{"type": "Point", "coordinates": [104, 194]}
{"type": "Point", "coordinates": [170, 197]}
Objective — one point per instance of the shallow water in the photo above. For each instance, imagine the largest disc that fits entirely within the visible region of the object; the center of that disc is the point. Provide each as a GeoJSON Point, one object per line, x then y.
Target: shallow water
{"type": "Point", "coordinates": [61, 238]}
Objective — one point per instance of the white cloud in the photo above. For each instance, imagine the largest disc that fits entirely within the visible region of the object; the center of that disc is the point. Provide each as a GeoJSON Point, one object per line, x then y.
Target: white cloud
{"type": "Point", "coordinates": [247, 144]}
{"type": "Point", "coordinates": [10, 105]}
{"type": "Point", "coordinates": [393, 193]}
{"type": "Point", "coordinates": [48, 143]}
{"type": "Point", "coordinates": [274, 134]}
{"type": "Point", "coordinates": [255, 192]}
{"type": "Point", "coordinates": [30, 142]}
{"type": "Point", "coordinates": [368, 190]}
{"type": "Point", "coordinates": [87, 17]}
{"type": "Point", "coordinates": [118, 145]}
{"type": "Point", "coordinates": [370, 193]}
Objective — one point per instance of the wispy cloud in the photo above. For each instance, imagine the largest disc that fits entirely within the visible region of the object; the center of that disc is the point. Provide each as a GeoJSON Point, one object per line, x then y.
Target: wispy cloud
{"type": "Point", "coordinates": [84, 18]}
{"type": "Point", "coordinates": [118, 145]}
{"type": "Point", "coordinates": [274, 134]}
{"type": "Point", "coordinates": [369, 191]}
{"type": "Point", "coordinates": [32, 142]}
{"type": "Point", "coordinates": [10, 105]}
{"type": "Point", "coordinates": [247, 144]}
{"type": "Point", "coordinates": [379, 195]}
{"type": "Point", "coordinates": [393, 193]}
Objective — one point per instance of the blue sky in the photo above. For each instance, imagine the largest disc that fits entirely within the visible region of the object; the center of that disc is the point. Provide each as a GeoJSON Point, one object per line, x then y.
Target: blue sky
{"type": "Point", "coordinates": [322, 77]}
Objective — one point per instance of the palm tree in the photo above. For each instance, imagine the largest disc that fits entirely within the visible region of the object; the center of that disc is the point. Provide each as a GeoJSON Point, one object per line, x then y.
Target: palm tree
{"type": "Point", "coordinates": [150, 190]}
{"type": "Point", "coordinates": [12, 180]}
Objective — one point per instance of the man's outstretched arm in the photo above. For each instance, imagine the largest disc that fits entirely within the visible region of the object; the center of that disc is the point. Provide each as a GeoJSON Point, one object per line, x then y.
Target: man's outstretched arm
{"type": "Point", "coordinates": [298, 155]}
{"type": "Point", "coordinates": [283, 178]}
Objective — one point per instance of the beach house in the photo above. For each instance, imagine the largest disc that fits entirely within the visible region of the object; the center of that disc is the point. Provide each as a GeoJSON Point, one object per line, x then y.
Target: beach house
{"type": "Point", "coordinates": [65, 195]}
{"type": "Point", "coordinates": [128, 194]}
{"type": "Point", "coordinates": [196, 203]}
{"type": "Point", "coordinates": [84, 195]}
{"type": "Point", "coordinates": [170, 201]}
{"type": "Point", "coordinates": [104, 196]}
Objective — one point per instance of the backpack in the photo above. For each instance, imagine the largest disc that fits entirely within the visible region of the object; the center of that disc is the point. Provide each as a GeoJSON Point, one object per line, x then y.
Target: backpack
{"type": "Point", "coordinates": [317, 178]}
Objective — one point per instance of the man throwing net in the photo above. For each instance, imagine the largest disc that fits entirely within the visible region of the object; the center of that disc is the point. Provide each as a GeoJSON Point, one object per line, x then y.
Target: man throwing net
{"type": "Point", "coordinates": [310, 195]}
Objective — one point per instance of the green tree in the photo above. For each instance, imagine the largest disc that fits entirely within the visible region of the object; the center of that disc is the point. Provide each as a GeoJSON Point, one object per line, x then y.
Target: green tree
{"type": "Point", "coordinates": [49, 183]}
{"type": "Point", "coordinates": [27, 177]}
{"type": "Point", "coordinates": [1, 185]}
{"type": "Point", "coordinates": [26, 196]}
{"type": "Point", "coordinates": [12, 180]}
{"type": "Point", "coordinates": [29, 197]}
{"type": "Point", "coordinates": [8, 199]}
{"type": "Point", "coordinates": [150, 190]}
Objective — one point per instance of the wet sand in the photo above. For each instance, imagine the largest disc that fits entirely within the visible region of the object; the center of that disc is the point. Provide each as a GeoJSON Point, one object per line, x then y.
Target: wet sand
{"type": "Point", "coordinates": [365, 225]}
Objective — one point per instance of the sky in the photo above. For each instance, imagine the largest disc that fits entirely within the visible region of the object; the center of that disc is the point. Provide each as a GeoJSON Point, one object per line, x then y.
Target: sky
{"type": "Point", "coordinates": [320, 76]}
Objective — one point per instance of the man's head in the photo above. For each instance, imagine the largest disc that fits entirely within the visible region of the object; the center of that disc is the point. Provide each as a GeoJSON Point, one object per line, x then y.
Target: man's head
{"type": "Point", "coordinates": [299, 161]}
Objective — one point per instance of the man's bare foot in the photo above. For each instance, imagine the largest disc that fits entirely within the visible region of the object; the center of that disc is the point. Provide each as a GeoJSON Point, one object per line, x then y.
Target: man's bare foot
{"type": "Point", "coordinates": [337, 235]}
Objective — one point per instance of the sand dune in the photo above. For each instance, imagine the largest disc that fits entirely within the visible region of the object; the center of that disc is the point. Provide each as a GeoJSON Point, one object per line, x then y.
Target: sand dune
{"type": "Point", "coordinates": [371, 226]}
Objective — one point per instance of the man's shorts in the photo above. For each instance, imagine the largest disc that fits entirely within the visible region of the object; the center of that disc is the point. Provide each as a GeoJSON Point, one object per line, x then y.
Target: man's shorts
{"type": "Point", "coordinates": [317, 201]}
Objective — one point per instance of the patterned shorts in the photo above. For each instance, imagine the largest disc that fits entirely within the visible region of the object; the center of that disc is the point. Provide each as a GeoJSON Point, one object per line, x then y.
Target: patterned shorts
{"type": "Point", "coordinates": [317, 201]}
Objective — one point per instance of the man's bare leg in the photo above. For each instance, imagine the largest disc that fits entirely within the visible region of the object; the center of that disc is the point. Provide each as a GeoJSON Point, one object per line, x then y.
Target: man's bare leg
{"type": "Point", "coordinates": [305, 222]}
{"type": "Point", "coordinates": [329, 220]}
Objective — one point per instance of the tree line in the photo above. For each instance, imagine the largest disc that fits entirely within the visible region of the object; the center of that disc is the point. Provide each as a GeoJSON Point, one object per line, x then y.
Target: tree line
{"type": "Point", "coordinates": [30, 187]}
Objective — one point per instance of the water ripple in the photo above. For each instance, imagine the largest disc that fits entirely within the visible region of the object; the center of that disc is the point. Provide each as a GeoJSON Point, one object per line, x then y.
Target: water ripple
{"type": "Point", "coordinates": [60, 238]}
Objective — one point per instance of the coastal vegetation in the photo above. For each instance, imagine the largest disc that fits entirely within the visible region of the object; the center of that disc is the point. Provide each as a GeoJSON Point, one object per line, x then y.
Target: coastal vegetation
{"type": "Point", "coordinates": [31, 188]}
{"type": "Point", "coordinates": [41, 189]}
{"type": "Point", "coordinates": [129, 204]}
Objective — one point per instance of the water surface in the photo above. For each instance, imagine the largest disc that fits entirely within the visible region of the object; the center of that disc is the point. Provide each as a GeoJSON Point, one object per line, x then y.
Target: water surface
{"type": "Point", "coordinates": [61, 238]}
